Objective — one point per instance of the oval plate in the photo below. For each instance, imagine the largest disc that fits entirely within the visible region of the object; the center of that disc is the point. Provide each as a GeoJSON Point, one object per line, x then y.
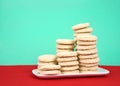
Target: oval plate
{"type": "Point", "coordinates": [100, 72]}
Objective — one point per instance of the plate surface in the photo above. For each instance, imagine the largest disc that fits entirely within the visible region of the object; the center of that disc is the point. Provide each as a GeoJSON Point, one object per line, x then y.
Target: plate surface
{"type": "Point", "coordinates": [100, 72]}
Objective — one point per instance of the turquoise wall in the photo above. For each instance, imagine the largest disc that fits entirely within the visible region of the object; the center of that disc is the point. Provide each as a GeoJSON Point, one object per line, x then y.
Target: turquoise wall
{"type": "Point", "coordinates": [29, 28]}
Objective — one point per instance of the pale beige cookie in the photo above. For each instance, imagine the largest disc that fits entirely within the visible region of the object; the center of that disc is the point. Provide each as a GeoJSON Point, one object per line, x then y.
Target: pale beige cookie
{"type": "Point", "coordinates": [78, 47]}
{"type": "Point", "coordinates": [67, 59]}
{"type": "Point", "coordinates": [70, 68]}
{"type": "Point", "coordinates": [88, 65]}
{"type": "Point", "coordinates": [90, 71]}
{"type": "Point", "coordinates": [86, 38]}
{"type": "Point", "coordinates": [50, 67]}
{"type": "Point", "coordinates": [46, 63]}
{"type": "Point", "coordinates": [88, 68]}
{"type": "Point", "coordinates": [88, 56]}
{"type": "Point", "coordinates": [80, 26]}
{"type": "Point", "coordinates": [47, 58]}
{"type": "Point", "coordinates": [86, 43]}
{"type": "Point", "coordinates": [49, 72]}
{"type": "Point", "coordinates": [65, 41]}
{"type": "Point", "coordinates": [71, 72]}
{"type": "Point", "coordinates": [85, 30]}
{"type": "Point", "coordinates": [66, 54]}
{"type": "Point", "coordinates": [61, 50]}
{"type": "Point", "coordinates": [61, 46]}
{"type": "Point", "coordinates": [94, 60]}
{"type": "Point", "coordinates": [70, 63]}
{"type": "Point", "coordinates": [75, 35]}
{"type": "Point", "coordinates": [87, 52]}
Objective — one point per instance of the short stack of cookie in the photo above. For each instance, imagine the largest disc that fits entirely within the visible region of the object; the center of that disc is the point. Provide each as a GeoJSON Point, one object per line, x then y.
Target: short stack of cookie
{"type": "Point", "coordinates": [68, 62]}
{"type": "Point", "coordinates": [80, 29]}
{"type": "Point", "coordinates": [47, 64]}
{"type": "Point", "coordinates": [64, 45]}
{"type": "Point", "coordinates": [87, 53]}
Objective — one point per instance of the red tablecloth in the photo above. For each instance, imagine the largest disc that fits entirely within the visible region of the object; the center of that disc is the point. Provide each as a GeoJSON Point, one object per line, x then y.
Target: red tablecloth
{"type": "Point", "coordinates": [22, 76]}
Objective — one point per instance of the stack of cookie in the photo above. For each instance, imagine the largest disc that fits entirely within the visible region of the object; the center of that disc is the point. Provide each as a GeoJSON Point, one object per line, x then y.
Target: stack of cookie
{"type": "Point", "coordinates": [82, 29]}
{"type": "Point", "coordinates": [64, 45]}
{"type": "Point", "coordinates": [68, 62]}
{"type": "Point", "coordinates": [87, 53]}
{"type": "Point", "coordinates": [47, 64]}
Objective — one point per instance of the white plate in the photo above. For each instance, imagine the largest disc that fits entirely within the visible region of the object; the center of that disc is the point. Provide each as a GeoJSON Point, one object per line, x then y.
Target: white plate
{"type": "Point", "coordinates": [100, 72]}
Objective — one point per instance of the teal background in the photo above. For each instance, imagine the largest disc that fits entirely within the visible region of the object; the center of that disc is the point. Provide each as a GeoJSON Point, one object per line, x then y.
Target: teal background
{"type": "Point", "coordinates": [29, 28]}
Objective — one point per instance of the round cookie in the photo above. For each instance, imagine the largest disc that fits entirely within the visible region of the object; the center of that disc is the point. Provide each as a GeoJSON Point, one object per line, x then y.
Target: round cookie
{"type": "Point", "coordinates": [88, 68]}
{"type": "Point", "coordinates": [88, 65]}
{"type": "Point", "coordinates": [71, 72]}
{"type": "Point", "coordinates": [80, 26]}
{"type": "Point", "coordinates": [94, 60]}
{"type": "Point", "coordinates": [87, 56]}
{"type": "Point", "coordinates": [46, 63]}
{"type": "Point", "coordinates": [90, 71]}
{"type": "Point", "coordinates": [87, 52]}
{"type": "Point", "coordinates": [47, 58]}
{"type": "Point", "coordinates": [66, 54]}
{"type": "Point", "coordinates": [85, 47]}
{"type": "Point", "coordinates": [70, 68]}
{"type": "Point", "coordinates": [58, 46]}
{"type": "Point", "coordinates": [49, 72]}
{"type": "Point", "coordinates": [65, 50]}
{"type": "Point", "coordinates": [75, 35]}
{"type": "Point", "coordinates": [86, 43]}
{"type": "Point", "coordinates": [86, 38]}
{"type": "Point", "coordinates": [84, 30]}
{"type": "Point", "coordinates": [70, 63]}
{"type": "Point", "coordinates": [50, 67]}
{"type": "Point", "coordinates": [67, 59]}
{"type": "Point", "coordinates": [65, 41]}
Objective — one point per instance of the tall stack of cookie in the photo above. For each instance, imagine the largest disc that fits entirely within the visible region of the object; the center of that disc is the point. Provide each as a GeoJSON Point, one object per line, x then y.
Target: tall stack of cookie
{"type": "Point", "coordinates": [68, 62]}
{"type": "Point", "coordinates": [87, 53]}
{"type": "Point", "coordinates": [80, 29]}
{"type": "Point", "coordinates": [64, 45]}
{"type": "Point", "coordinates": [47, 64]}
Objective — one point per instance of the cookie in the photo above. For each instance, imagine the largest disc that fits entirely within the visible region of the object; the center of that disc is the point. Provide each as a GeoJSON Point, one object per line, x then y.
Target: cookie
{"type": "Point", "coordinates": [71, 72]}
{"type": "Point", "coordinates": [64, 46]}
{"type": "Point", "coordinates": [47, 58]}
{"type": "Point", "coordinates": [86, 43]}
{"type": "Point", "coordinates": [86, 38]}
{"type": "Point", "coordinates": [67, 59]}
{"type": "Point", "coordinates": [46, 63]}
{"type": "Point", "coordinates": [90, 71]}
{"type": "Point", "coordinates": [88, 68]}
{"type": "Point", "coordinates": [70, 68]}
{"type": "Point", "coordinates": [88, 56]}
{"type": "Point", "coordinates": [70, 63]}
{"type": "Point", "coordinates": [88, 64]}
{"type": "Point", "coordinates": [64, 50]}
{"type": "Point", "coordinates": [85, 47]}
{"type": "Point", "coordinates": [65, 41]}
{"type": "Point", "coordinates": [50, 72]}
{"type": "Point", "coordinates": [87, 52]}
{"type": "Point", "coordinates": [66, 54]}
{"type": "Point", "coordinates": [80, 26]}
{"type": "Point", "coordinates": [50, 67]}
{"type": "Point", "coordinates": [87, 33]}
{"type": "Point", "coordinates": [85, 30]}
{"type": "Point", "coordinates": [94, 60]}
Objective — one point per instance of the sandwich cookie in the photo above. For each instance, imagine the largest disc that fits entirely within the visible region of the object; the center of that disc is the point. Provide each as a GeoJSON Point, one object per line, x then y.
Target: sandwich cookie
{"type": "Point", "coordinates": [80, 26]}
{"type": "Point", "coordinates": [50, 69]}
{"type": "Point", "coordinates": [71, 72]}
{"type": "Point", "coordinates": [87, 52]}
{"type": "Point", "coordinates": [60, 59]}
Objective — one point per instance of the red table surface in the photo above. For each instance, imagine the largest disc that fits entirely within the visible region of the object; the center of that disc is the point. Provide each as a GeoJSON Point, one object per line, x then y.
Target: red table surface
{"type": "Point", "coordinates": [22, 76]}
